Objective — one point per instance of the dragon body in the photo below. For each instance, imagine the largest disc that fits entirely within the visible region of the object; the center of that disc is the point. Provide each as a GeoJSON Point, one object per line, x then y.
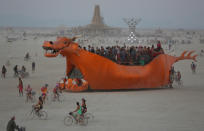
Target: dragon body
{"type": "Point", "coordinates": [103, 74]}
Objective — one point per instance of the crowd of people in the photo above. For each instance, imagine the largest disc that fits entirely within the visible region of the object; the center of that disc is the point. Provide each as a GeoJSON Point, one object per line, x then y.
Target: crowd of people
{"type": "Point", "coordinates": [17, 72]}
{"type": "Point", "coordinates": [134, 55]}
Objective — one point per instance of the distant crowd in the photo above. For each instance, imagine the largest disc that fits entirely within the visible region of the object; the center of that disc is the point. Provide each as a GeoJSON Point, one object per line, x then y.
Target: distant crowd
{"type": "Point", "coordinates": [134, 55]}
{"type": "Point", "coordinates": [18, 72]}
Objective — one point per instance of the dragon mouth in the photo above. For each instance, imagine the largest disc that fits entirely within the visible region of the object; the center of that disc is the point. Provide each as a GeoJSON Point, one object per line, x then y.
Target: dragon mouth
{"type": "Point", "coordinates": [50, 52]}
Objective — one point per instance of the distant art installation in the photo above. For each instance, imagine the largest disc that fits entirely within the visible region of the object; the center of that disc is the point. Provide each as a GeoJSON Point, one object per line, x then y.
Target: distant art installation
{"type": "Point", "coordinates": [132, 22]}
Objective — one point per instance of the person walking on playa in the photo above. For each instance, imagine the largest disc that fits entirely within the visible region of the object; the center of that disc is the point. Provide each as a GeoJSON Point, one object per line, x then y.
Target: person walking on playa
{"type": "Point", "coordinates": [20, 86]}
{"type": "Point", "coordinates": [44, 91]}
{"type": "Point", "coordinates": [3, 71]}
{"type": "Point", "coordinates": [28, 93]}
{"type": "Point", "coordinates": [15, 69]}
{"type": "Point", "coordinates": [193, 67]}
{"type": "Point", "coordinates": [33, 66]}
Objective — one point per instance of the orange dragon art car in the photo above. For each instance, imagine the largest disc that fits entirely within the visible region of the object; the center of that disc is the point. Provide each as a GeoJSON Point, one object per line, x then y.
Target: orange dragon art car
{"type": "Point", "coordinates": [100, 73]}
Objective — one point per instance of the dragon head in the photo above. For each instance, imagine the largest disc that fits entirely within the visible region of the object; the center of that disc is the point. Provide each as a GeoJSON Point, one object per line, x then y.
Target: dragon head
{"type": "Point", "coordinates": [53, 49]}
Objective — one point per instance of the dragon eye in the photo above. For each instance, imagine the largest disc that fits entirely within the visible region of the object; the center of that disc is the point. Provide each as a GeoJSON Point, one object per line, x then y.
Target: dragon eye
{"type": "Point", "coordinates": [51, 42]}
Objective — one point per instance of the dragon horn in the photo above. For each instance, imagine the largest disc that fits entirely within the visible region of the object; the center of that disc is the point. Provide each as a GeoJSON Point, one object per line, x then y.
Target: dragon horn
{"type": "Point", "coordinates": [188, 56]}
{"type": "Point", "coordinates": [194, 57]}
{"type": "Point", "coordinates": [183, 54]}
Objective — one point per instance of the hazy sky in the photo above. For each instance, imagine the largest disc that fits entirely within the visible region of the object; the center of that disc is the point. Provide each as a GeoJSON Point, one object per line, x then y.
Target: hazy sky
{"type": "Point", "coordinates": [154, 13]}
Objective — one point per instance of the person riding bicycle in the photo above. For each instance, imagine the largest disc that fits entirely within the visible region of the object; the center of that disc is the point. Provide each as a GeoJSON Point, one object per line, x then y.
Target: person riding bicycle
{"type": "Point", "coordinates": [83, 105]}
{"type": "Point", "coordinates": [77, 112]}
{"type": "Point", "coordinates": [23, 69]}
{"type": "Point", "coordinates": [28, 92]}
{"type": "Point", "coordinates": [39, 105]}
{"type": "Point", "coordinates": [56, 91]}
{"type": "Point", "coordinates": [44, 91]}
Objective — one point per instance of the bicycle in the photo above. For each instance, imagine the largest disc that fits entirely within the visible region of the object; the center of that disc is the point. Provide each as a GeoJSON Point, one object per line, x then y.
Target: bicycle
{"type": "Point", "coordinates": [59, 97]}
{"type": "Point", "coordinates": [89, 116]}
{"type": "Point", "coordinates": [21, 128]}
{"type": "Point", "coordinates": [193, 70]}
{"type": "Point", "coordinates": [180, 83]}
{"type": "Point", "coordinates": [31, 98]}
{"type": "Point", "coordinates": [46, 99]}
{"type": "Point", "coordinates": [40, 114]}
{"type": "Point", "coordinates": [70, 118]}
{"type": "Point", "coordinates": [23, 74]}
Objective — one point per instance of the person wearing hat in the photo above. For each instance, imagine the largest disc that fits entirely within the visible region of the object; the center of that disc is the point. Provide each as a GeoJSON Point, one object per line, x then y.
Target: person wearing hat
{"type": "Point", "coordinates": [159, 50]}
{"type": "Point", "coordinates": [11, 126]}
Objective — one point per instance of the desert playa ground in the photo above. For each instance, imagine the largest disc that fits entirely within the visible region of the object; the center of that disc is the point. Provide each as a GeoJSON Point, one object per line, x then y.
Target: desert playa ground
{"type": "Point", "coordinates": [177, 109]}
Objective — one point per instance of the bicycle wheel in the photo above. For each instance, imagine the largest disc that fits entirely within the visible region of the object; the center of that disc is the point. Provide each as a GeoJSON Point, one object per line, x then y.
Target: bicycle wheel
{"type": "Point", "coordinates": [33, 99]}
{"type": "Point", "coordinates": [172, 78]}
{"type": "Point", "coordinates": [53, 97]}
{"type": "Point", "coordinates": [29, 115]}
{"type": "Point", "coordinates": [83, 121]}
{"type": "Point", "coordinates": [32, 114]}
{"type": "Point", "coordinates": [42, 115]}
{"type": "Point", "coordinates": [180, 83]}
{"type": "Point", "coordinates": [48, 100]}
{"type": "Point", "coordinates": [68, 120]}
{"type": "Point", "coordinates": [61, 97]}
{"type": "Point", "coordinates": [89, 116]}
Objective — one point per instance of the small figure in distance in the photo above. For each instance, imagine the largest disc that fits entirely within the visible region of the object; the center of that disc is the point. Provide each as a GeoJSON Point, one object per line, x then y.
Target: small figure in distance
{"type": "Point", "coordinates": [56, 92]}
{"type": "Point", "coordinates": [15, 69]}
{"type": "Point", "coordinates": [20, 86]}
{"type": "Point", "coordinates": [193, 67]}
{"type": "Point", "coordinates": [33, 66]}
{"type": "Point", "coordinates": [3, 71]}
{"type": "Point", "coordinates": [23, 69]}
{"type": "Point", "coordinates": [28, 93]}
{"type": "Point", "coordinates": [27, 56]}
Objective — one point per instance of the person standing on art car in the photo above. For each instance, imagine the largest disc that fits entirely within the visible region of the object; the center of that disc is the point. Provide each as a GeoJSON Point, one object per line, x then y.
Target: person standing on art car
{"type": "Point", "coordinates": [159, 50]}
